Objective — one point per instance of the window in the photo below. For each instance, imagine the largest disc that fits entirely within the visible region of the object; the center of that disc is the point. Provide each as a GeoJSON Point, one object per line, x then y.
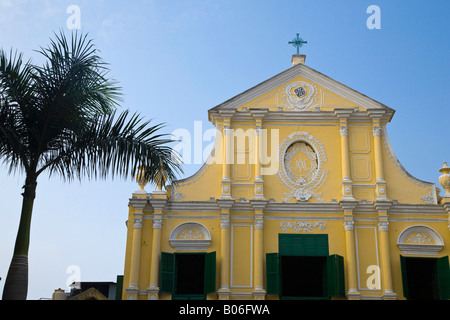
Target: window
{"type": "Point", "coordinates": [425, 278]}
{"type": "Point", "coordinates": [302, 269]}
{"type": "Point", "coordinates": [188, 275]}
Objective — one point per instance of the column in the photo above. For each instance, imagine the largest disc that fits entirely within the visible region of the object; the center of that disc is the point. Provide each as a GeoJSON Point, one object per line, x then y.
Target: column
{"type": "Point", "coordinates": [258, 255]}
{"type": "Point", "coordinates": [352, 281]}
{"type": "Point", "coordinates": [382, 208]}
{"type": "Point", "coordinates": [158, 201]}
{"type": "Point", "coordinates": [378, 153]}
{"type": "Point", "coordinates": [224, 289]}
{"type": "Point", "coordinates": [258, 115]}
{"type": "Point", "coordinates": [133, 284]}
{"type": "Point", "coordinates": [228, 154]}
{"type": "Point", "coordinates": [347, 192]}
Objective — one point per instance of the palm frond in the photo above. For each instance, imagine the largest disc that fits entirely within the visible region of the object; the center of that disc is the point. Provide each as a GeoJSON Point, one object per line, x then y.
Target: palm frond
{"type": "Point", "coordinates": [16, 89]}
{"type": "Point", "coordinates": [76, 70]}
{"type": "Point", "coordinates": [117, 145]}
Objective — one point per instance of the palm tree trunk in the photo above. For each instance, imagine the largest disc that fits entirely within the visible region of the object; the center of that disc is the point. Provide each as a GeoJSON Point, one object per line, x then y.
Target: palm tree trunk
{"type": "Point", "coordinates": [16, 283]}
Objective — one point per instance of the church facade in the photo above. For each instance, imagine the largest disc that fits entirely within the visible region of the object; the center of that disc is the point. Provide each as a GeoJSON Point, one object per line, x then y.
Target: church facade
{"type": "Point", "coordinates": [302, 198]}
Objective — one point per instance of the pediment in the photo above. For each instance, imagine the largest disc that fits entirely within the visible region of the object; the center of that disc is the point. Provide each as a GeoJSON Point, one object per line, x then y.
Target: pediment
{"type": "Point", "coordinates": [300, 89]}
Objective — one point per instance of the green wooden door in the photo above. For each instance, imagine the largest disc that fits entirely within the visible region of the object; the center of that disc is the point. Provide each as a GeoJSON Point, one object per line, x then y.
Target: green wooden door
{"type": "Point", "coordinates": [443, 278]}
{"type": "Point", "coordinates": [167, 275]}
{"type": "Point", "coordinates": [335, 276]}
{"type": "Point", "coordinates": [210, 272]}
{"type": "Point", "coordinates": [272, 273]}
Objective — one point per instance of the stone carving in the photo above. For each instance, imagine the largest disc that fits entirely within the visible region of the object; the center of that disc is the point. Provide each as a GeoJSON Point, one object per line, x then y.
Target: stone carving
{"type": "Point", "coordinates": [190, 236]}
{"type": "Point", "coordinates": [302, 158]}
{"type": "Point", "coordinates": [303, 226]}
{"type": "Point", "coordinates": [420, 240]}
{"type": "Point", "coordinates": [299, 96]}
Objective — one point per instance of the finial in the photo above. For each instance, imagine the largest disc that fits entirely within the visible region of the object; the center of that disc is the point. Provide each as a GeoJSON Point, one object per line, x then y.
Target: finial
{"type": "Point", "coordinates": [298, 43]}
{"type": "Point", "coordinates": [141, 180]}
{"type": "Point", "coordinates": [444, 180]}
{"type": "Point", "coordinates": [160, 178]}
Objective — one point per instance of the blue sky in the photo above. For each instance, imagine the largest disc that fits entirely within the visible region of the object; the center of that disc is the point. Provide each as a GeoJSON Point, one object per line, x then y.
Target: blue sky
{"type": "Point", "coordinates": [177, 59]}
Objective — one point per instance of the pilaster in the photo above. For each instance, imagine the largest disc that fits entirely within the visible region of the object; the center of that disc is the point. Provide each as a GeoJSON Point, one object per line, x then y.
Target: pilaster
{"type": "Point", "coordinates": [225, 240]}
{"type": "Point", "coordinates": [133, 285]}
{"type": "Point", "coordinates": [228, 154]}
{"type": "Point", "coordinates": [258, 115]}
{"type": "Point", "coordinates": [258, 257]}
{"type": "Point", "coordinates": [348, 207]}
{"type": "Point", "coordinates": [347, 184]}
{"type": "Point", "coordinates": [158, 200]}
{"type": "Point", "coordinates": [382, 207]}
{"type": "Point", "coordinates": [380, 184]}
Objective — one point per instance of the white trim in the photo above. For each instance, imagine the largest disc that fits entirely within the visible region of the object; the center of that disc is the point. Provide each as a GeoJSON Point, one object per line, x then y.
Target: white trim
{"type": "Point", "coordinates": [251, 255]}
{"type": "Point", "coordinates": [190, 244]}
{"type": "Point", "coordinates": [302, 190]}
{"type": "Point", "coordinates": [357, 256]}
{"type": "Point", "coordinates": [420, 248]}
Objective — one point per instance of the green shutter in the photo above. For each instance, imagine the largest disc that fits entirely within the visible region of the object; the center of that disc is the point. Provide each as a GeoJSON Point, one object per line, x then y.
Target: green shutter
{"type": "Point", "coordinates": [167, 278]}
{"type": "Point", "coordinates": [119, 287]}
{"type": "Point", "coordinates": [404, 277]}
{"type": "Point", "coordinates": [303, 244]}
{"type": "Point", "coordinates": [443, 278]}
{"type": "Point", "coordinates": [335, 276]}
{"type": "Point", "coordinates": [272, 273]}
{"type": "Point", "coordinates": [210, 272]}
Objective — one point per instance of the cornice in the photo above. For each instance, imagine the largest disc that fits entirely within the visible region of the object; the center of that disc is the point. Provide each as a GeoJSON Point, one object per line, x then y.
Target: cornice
{"type": "Point", "coordinates": [383, 205]}
{"type": "Point", "coordinates": [138, 203]}
{"type": "Point", "coordinates": [318, 116]}
{"type": "Point", "coordinates": [401, 211]}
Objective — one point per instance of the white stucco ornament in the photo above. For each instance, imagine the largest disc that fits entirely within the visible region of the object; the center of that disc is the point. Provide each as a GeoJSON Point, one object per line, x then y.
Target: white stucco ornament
{"type": "Point", "coordinates": [302, 159]}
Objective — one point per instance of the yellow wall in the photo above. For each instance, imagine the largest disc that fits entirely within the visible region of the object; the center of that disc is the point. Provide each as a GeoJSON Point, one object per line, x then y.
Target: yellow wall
{"type": "Point", "coordinates": [409, 201]}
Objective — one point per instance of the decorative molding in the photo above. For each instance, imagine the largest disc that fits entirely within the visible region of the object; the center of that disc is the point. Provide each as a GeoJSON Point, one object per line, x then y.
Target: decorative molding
{"type": "Point", "coordinates": [190, 236]}
{"type": "Point", "coordinates": [259, 224]}
{"type": "Point", "coordinates": [138, 203]}
{"type": "Point", "coordinates": [236, 246]}
{"type": "Point", "coordinates": [178, 196]}
{"type": "Point", "coordinates": [157, 223]}
{"type": "Point", "coordinates": [299, 95]}
{"type": "Point", "coordinates": [302, 187]}
{"type": "Point", "coordinates": [383, 225]}
{"type": "Point", "coordinates": [420, 240]}
{"type": "Point", "coordinates": [343, 131]}
{"type": "Point", "coordinates": [376, 131]}
{"type": "Point", "coordinates": [303, 226]}
{"type": "Point", "coordinates": [225, 221]}
{"type": "Point", "coordinates": [227, 131]}
{"type": "Point", "coordinates": [137, 223]}
{"type": "Point", "coordinates": [349, 225]}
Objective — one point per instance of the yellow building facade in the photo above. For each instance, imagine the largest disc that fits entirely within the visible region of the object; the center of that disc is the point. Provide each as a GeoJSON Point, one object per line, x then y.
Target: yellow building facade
{"type": "Point", "coordinates": [302, 197]}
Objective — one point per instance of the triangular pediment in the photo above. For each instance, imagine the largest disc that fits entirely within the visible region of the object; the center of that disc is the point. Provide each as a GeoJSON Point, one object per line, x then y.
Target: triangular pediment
{"type": "Point", "coordinates": [300, 88]}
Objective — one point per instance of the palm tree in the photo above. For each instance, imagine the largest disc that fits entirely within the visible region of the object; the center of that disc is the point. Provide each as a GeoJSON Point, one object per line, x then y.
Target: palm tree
{"type": "Point", "coordinates": [60, 118]}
